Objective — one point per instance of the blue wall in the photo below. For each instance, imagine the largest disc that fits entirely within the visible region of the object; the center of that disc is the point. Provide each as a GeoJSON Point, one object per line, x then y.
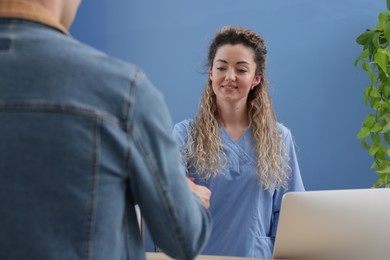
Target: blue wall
{"type": "Point", "coordinates": [317, 91]}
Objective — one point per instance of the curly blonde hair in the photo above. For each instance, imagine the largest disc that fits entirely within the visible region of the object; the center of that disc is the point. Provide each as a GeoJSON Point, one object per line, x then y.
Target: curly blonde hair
{"type": "Point", "coordinates": [203, 146]}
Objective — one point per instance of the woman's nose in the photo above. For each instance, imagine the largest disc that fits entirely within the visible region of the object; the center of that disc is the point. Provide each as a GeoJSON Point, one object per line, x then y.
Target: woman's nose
{"type": "Point", "coordinates": [230, 75]}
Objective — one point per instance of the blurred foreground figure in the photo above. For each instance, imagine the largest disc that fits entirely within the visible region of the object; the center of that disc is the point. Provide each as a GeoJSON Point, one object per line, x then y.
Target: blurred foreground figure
{"type": "Point", "coordinates": [84, 138]}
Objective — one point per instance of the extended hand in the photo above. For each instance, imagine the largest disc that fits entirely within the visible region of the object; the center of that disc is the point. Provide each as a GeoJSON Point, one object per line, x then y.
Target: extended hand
{"type": "Point", "coordinates": [202, 192]}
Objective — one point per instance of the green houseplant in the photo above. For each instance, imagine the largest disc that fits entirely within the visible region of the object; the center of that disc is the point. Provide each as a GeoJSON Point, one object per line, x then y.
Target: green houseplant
{"type": "Point", "coordinates": [375, 130]}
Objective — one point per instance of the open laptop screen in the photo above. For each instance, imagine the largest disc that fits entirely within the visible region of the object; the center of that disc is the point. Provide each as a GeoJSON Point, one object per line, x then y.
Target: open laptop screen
{"type": "Point", "coordinates": [334, 224]}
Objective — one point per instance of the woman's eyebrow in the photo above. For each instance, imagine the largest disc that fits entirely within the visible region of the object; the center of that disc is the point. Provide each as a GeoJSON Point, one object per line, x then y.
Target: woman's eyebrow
{"type": "Point", "coordinates": [220, 60]}
{"type": "Point", "coordinates": [238, 62]}
{"type": "Point", "coordinates": [242, 62]}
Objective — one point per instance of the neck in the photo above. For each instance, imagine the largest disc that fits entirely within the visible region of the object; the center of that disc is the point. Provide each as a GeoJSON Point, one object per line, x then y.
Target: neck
{"type": "Point", "coordinates": [234, 119]}
{"type": "Point", "coordinates": [54, 7]}
{"type": "Point", "coordinates": [234, 115]}
{"type": "Point", "coordinates": [44, 11]}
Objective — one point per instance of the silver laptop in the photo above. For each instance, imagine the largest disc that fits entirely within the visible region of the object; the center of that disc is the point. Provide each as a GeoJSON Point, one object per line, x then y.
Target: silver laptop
{"type": "Point", "coordinates": [334, 224]}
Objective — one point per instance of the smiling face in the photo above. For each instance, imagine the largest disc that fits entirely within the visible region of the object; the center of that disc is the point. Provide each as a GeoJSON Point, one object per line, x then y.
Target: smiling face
{"type": "Point", "coordinates": [233, 74]}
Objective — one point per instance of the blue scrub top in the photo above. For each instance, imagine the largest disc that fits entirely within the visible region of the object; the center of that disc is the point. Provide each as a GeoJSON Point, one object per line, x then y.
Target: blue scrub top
{"type": "Point", "coordinates": [245, 216]}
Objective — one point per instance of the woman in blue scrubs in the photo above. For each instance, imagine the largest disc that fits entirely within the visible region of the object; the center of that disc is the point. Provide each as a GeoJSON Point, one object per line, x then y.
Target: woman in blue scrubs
{"type": "Point", "coordinates": [236, 148]}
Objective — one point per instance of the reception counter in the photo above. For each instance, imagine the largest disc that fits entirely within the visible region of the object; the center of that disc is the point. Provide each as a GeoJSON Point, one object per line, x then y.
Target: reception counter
{"type": "Point", "coordinates": [161, 256]}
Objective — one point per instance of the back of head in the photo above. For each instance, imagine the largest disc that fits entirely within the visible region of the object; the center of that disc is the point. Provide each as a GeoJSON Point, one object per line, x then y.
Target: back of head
{"type": "Point", "coordinates": [62, 12]}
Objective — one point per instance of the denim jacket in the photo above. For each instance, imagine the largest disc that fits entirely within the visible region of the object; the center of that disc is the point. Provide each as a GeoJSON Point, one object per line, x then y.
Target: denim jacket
{"type": "Point", "coordinates": [83, 138]}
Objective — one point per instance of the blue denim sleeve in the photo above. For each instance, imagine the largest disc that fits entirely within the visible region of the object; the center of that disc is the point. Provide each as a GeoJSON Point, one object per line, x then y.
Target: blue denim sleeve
{"type": "Point", "coordinates": [178, 223]}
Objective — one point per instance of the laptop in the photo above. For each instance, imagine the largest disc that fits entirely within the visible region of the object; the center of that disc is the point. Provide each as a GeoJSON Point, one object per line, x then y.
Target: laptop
{"type": "Point", "coordinates": [334, 224]}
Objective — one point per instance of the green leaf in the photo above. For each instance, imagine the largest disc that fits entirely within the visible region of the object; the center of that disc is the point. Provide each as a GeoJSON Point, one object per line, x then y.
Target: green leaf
{"type": "Point", "coordinates": [379, 183]}
{"type": "Point", "coordinates": [373, 79]}
{"type": "Point", "coordinates": [381, 153]}
{"type": "Point", "coordinates": [386, 136]}
{"type": "Point", "coordinates": [382, 59]}
{"type": "Point", "coordinates": [382, 75]}
{"type": "Point", "coordinates": [369, 121]}
{"type": "Point", "coordinates": [382, 20]}
{"type": "Point", "coordinates": [367, 94]}
{"type": "Point", "coordinates": [364, 54]}
{"type": "Point", "coordinates": [356, 62]}
{"type": "Point", "coordinates": [374, 92]}
{"type": "Point", "coordinates": [386, 29]}
{"type": "Point", "coordinates": [385, 171]}
{"type": "Point", "coordinates": [374, 165]}
{"type": "Point", "coordinates": [373, 150]}
{"type": "Point", "coordinates": [376, 128]}
{"type": "Point", "coordinates": [365, 65]}
{"type": "Point", "coordinates": [382, 164]}
{"type": "Point", "coordinates": [365, 38]}
{"type": "Point", "coordinates": [386, 91]}
{"type": "Point", "coordinates": [374, 102]}
{"type": "Point", "coordinates": [375, 40]}
{"type": "Point", "coordinates": [386, 128]}
{"type": "Point", "coordinates": [365, 144]}
{"type": "Point", "coordinates": [383, 109]}
{"type": "Point", "coordinates": [376, 139]}
{"type": "Point", "coordinates": [381, 116]}
{"type": "Point", "coordinates": [388, 5]}
{"type": "Point", "coordinates": [363, 132]}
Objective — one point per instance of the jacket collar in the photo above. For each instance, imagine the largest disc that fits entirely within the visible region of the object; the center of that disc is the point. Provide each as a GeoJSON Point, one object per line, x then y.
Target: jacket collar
{"type": "Point", "coordinates": [29, 11]}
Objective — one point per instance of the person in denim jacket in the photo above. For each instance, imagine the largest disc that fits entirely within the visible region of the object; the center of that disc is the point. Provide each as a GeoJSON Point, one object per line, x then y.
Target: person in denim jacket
{"type": "Point", "coordinates": [236, 148]}
{"type": "Point", "coordinates": [83, 139]}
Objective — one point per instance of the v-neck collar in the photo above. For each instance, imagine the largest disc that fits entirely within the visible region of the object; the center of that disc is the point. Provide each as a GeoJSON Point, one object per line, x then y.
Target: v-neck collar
{"type": "Point", "coordinates": [231, 139]}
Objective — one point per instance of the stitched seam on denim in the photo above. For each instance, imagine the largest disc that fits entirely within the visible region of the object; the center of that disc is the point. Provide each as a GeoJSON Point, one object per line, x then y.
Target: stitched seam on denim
{"type": "Point", "coordinates": [153, 169]}
{"type": "Point", "coordinates": [93, 192]}
{"type": "Point", "coordinates": [128, 108]}
{"type": "Point", "coordinates": [128, 112]}
{"type": "Point", "coordinates": [29, 106]}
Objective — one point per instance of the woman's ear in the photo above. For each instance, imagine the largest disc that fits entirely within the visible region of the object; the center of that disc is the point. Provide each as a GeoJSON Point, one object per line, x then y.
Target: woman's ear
{"type": "Point", "coordinates": [210, 72]}
{"type": "Point", "coordinates": [256, 81]}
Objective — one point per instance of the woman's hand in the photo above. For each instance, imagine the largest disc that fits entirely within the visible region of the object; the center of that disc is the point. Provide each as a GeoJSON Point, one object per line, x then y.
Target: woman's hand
{"type": "Point", "coordinates": [202, 192]}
